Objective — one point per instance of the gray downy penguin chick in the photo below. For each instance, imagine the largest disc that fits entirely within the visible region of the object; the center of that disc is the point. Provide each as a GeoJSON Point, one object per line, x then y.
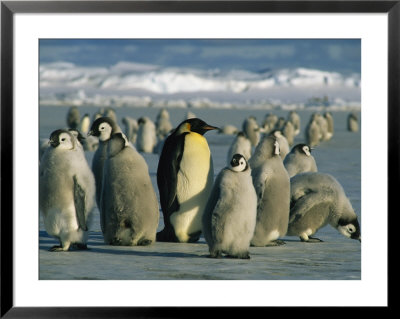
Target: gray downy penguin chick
{"type": "Point", "coordinates": [185, 177]}
{"type": "Point", "coordinates": [240, 145]}
{"type": "Point", "coordinates": [313, 133]}
{"type": "Point", "coordinates": [288, 132]}
{"type": "Point", "coordinates": [163, 124]}
{"type": "Point", "coordinates": [73, 117]}
{"type": "Point", "coordinates": [131, 128]}
{"type": "Point", "coordinates": [300, 160]}
{"type": "Point", "coordinates": [66, 191]}
{"type": "Point", "coordinates": [128, 200]}
{"type": "Point", "coordinates": [318, 199]}
{"type": "Point", "coordinates": [284, 147]}
{"type": "Point", "coordinates": [146, 137]}
{"type": "Point", "coordinates": [252, 130]}
{"type": "Point", "coordinates": [294, 117]}
{"type": "Point", "coordinates": [230, 215]}
{"type": "Point", "coordinates": [102, 128]}
{"type": "Point", "coordinates": [331, 127]}
{"type": "Point", "coordinates": [352, 122]}
{"type": "Point", "coordinates": [272, 184]}
{"type": "Point", "coordinates": [269, 123]}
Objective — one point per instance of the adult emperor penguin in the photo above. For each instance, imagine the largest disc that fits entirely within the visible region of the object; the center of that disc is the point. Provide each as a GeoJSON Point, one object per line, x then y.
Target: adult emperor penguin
{"type": "Point", "coordinates": [146, 138]}
{"type": "Point", "coordinates": [129, 206]}
{"type": "Point", "coordinates": [185, 176]}
{"type": "Point", "coordinates": [230, 215]}
{"type": "Point", "coordinates": [66, 191]}
{"type": "Point", "coordinates": [272, 184]}
{"type": "Point", "coordinates": [102, 128]}
{"type": "Point", "coordinates": [317, 199]}
{"type": "Point", "coordinates": [85, 124]}
{"type": "Point", "coordinates": [300, 160]}
{"type": "Point", "coordinates": [240, 145]}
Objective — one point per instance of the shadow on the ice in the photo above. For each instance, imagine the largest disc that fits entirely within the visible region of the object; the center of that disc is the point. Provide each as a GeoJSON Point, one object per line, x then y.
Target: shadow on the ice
{"type": "Point", "coordinates": [110, 251]}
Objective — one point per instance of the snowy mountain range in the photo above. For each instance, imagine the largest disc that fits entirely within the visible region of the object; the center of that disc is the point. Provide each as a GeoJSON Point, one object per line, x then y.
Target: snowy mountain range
{"type": "Point", "coordinates": [131, 84]}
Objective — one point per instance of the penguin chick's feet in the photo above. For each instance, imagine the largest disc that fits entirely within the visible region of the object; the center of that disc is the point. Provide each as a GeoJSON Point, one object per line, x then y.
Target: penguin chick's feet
{"type": "Point", "coordinates": [311, 240]}
{"type": "Point", "coordinates": [274, 243]}
{"type": "Point", "coordinates": [244, 255]}
{"type": "Point", "coordinates": [57, 248]}
{"type": "Point", "coordinates": [194, 237]}
{"type": "Point", "coordinates": [215, 254]}
{"type": "Point", "coordinates": [80, 246]}
{"type": "Point", "coordinates": [144, 242]}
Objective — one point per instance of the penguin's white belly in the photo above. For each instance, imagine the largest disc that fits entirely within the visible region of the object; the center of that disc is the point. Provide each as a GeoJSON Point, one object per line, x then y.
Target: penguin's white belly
{"type": "Point", "coordinates": [60, 220]}
{"type": "Point", "coordinates": [194, 183]}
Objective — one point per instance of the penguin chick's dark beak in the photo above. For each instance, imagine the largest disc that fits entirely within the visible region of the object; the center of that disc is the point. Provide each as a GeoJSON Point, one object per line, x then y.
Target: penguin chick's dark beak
{"type": "Point", "coordinates": [90, 133]}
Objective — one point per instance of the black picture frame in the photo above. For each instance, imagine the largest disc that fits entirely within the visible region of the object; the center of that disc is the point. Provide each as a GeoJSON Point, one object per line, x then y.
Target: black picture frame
{"type": "Point", "coordinates": [9, 8]}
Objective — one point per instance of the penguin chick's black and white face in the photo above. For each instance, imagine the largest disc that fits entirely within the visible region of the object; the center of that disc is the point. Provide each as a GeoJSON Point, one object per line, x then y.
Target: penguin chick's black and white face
{"type": "Point", "coordinates": [238, 163]}
{"type": "Point", "coordinates": [303, 149]}
{"type": "Point", "coordinates": [103, 128]}
{"type": "Point", "coordinates": [195, 125]}
{"type": "Point", "coordinates": [62, 139]}
{"type": "Point", "coordinates": [349, 229]}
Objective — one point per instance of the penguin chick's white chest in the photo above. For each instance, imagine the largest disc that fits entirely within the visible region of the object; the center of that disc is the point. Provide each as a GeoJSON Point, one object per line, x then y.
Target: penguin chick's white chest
{"type": "Point", "coordinates": [194, 183]}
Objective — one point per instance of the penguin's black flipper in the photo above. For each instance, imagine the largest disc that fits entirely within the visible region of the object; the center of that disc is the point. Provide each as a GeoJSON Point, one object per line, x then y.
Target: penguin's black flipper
{"type": "Point", "coordinates": [79, 201]}
{"type": "Point", "coordinates": [167, 175]}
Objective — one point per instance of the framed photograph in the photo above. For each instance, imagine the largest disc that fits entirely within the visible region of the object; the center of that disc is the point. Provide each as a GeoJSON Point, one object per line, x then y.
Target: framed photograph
{"type": "Point", "coordinates": [224, 62]}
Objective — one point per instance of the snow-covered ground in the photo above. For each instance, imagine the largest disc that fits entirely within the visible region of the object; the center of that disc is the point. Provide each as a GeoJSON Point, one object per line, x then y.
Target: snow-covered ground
{"type": "Point", "coordinates": [337, 258]}
{"type": "Point", "coordinates": [132, 84]}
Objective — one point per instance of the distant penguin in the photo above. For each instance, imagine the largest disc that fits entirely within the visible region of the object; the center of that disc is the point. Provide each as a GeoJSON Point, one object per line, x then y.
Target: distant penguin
{"type": "Point", "coordinates": [146, 138]}
{"type": "Point", "coordinates": [129, 202]}
{"type": "Point", "coordinates": [280, 123]}
{"type": "Point", "coordinates": [73, 117]}
{"type": "Point", "coordinates": [102, 128]}
{"type": "Point", "coordinates": [240, 145]}
{"type": "Point", "coordinates": [228, 130]}
{"type": "Point", "coordinates": [269, 122]}
{"type": "Point", "coordinates": [294, 117]}
{"type": "Point", "coordinates": [312, 133]}
{"type": "Point", "coordinates": [230, 215]}
{"type": "Point", "coordinates": [352, 122]}
{"type": "Point", "coordinates": [66, 191]}
{"type": "Point", "coordinates": [110, 112]}
{"type": "Point", "coordinates": [252, 130]}
{"type": "Point", "coordinates": [272, 184]}
{"type": "Point", "coordinates": [130, 128]}
{"type": "Point", "coordinates": [323, 126]}
{"type": "Point", "coordinates": [163, 124]}
{"type": "Point", "coordinates": [316, 200]}
{"type": "Point", "coordinates": [284, 147]}
{"type": "Point", "coordinates": [300, 160]}
{"type": "Point", "coordinates": [189, 115]}
{"type": "Point", "coordinates": [84, 124]}
{"type": "Point", "coordinates": [185, 176]}
{"type": "Point", "coordinates": [331, 127]}
{"type": "Point", "coordinates": [288, 132]}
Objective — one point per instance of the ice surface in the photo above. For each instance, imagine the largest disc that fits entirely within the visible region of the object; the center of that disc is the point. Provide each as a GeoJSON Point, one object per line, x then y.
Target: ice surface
{"type": "Point", "coordinates": [337, 258]}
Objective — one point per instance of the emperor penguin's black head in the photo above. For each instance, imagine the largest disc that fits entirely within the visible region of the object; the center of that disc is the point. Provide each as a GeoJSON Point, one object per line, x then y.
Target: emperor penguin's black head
{"type": "Point", "coordinates": [239, 163]}
{"type": "Point", "coordinates": [195, 125]}
{"type": "Point", "coordinates": [103, 128]}
{"type": "Point", "coordinates": [349, 228]}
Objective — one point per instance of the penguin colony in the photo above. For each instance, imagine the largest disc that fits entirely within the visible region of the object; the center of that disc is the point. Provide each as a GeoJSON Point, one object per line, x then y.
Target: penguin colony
{"type": "Point", "coordinates": [270, 187]}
